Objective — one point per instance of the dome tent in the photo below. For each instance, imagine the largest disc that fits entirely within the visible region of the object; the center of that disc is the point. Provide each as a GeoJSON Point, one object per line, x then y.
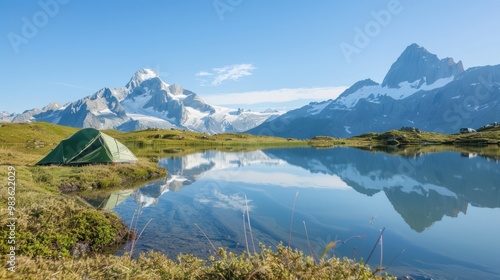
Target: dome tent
{"type": "Point", "coordinates": [88, 146]}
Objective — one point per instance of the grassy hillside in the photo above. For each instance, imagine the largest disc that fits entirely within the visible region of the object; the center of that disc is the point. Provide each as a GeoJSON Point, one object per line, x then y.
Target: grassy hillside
{"type": "Point", "coordinates": [27, 143]}
{"type": "Point", "coordinates": [486, 143]}
{"type": "Point", "coordinates": [399, 137]}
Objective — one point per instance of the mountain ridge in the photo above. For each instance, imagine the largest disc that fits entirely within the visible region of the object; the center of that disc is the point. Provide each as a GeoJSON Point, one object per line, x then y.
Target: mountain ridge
{"type": "Point", "coordinates": [439, 97]}
{"type": "Point", "coordinates": [144, 102]}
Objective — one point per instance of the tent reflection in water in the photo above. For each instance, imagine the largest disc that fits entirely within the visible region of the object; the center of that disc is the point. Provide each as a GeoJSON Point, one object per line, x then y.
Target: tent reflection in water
{"type": "Point", "coordinates": [88, 146]}
{"type": "Point", "coordinates": [115, 199]}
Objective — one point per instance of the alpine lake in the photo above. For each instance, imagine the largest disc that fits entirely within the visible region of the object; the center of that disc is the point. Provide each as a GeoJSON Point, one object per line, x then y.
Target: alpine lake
{"type": "Point", "coordinates": [424, 214]}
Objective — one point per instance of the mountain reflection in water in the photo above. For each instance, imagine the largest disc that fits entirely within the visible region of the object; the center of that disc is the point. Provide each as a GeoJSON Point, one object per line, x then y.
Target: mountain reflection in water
{"type": "Point", "coordinates": [422, 189]}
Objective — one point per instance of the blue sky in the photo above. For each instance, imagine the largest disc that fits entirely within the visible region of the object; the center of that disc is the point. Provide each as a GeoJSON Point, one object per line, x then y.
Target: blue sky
{"type": "Point", "coordinates": [243, 52]}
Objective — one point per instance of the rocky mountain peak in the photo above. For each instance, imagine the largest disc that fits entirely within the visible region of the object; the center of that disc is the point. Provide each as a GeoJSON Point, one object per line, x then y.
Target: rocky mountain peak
{"type": "Point", "coordinates": [141, 76]}
{"type": "Point", "coordinates": [176, 89]}
{"type": "Point", "coordinates": [418, 64]}
{"type": "Point", "coordinates": [6, 116]}
{"type": "Point", "coordinates": [52, 106]}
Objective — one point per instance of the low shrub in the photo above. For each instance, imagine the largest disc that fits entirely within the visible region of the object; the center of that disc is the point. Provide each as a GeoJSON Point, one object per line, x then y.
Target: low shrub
{"type": "Point", "coordinates": [279, 263]}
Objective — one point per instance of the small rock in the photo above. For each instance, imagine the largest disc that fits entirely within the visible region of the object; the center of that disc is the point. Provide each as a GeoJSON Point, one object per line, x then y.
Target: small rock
{"type": "Point", "coordinates": [80, 248]}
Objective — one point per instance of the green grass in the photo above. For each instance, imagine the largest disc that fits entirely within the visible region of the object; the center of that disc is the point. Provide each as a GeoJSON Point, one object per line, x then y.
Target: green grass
{"type": "Point", "coordinates": [177, 137]}
{"type": "Point", "coordinates": [160, 139]}
{"type": "Point", "coordinates": [485, 143]}
{"type": "Point", "coordinates": [27, 143]}
{"type": "Point", "coordinates": [427, 138]}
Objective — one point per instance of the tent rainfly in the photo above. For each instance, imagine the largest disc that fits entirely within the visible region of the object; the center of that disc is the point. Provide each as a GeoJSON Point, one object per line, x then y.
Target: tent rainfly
{"type": "Point", "coordinates": [88, 146]}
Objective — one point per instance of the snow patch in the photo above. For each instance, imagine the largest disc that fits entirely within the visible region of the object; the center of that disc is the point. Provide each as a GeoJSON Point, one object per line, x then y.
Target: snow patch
{"type": "Point", "coordinates": [347, 129]}
{"type": "Point", "coordinates": [375, 92]}
{"type": "Point", "coordinates": [105, 112]}
{"type": "Point", "coordinates": [146, 74]}
{"type": "Point", "coordinates": [140, 117]}
{"type": "Point", "coordinates": [376, 180]}
{"type": "Point", "coordinates": [317, 108]}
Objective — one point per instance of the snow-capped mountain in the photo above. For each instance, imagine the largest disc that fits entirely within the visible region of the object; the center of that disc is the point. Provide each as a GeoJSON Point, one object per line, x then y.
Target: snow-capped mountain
{"type": "Point", "coordinates": [146, 101]}
{"type": "Point", "coordinates": [419, 67]}
{"type": "Point", "coordinates": [419, 90]}
{"type": "Point", "coordinates": [6, 117]}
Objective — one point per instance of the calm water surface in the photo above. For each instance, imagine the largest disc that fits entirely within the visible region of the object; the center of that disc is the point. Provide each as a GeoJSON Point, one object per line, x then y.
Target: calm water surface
{"type": "Point", "coordinates": [441, 211]}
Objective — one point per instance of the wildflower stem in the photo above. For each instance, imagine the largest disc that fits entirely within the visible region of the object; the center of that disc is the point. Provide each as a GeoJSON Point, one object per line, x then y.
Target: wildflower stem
{"type": "Point", "coordinates": [291, 219]}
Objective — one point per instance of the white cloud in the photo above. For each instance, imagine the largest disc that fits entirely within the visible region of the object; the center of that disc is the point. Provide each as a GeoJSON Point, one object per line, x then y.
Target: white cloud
{"type": "Point", "coordinates": [72, 86]}
{"type": "Point", "coordinates": [203, 73]}
{"type": "Point", "coordinates": [225, 73]}
{"type": "Point", "coordinates": [220, 200]}
{"type": "Point", "coordinates": [282, 179]}
{"type": "Point", "coordinates": [275, 96]}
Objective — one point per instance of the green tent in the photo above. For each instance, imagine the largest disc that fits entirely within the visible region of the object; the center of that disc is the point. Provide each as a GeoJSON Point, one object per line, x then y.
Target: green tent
{"type": "Point", "coordinates": [88, 146]}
